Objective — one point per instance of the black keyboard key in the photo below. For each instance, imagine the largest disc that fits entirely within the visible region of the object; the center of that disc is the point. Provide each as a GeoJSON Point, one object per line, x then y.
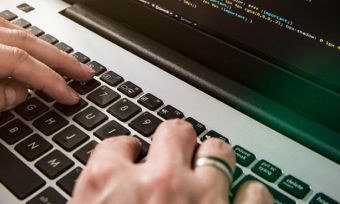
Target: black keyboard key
{"type": "Point", "coordinates": [16, 176]}
{"type": "Point", "coordinates": [34, 30]}
{"type": "Point", "coordinates": [84, 87]}
{"type": "Point", "coordinates": [111, 129]}
{"type": "Point", "coordinates": [144, 150]}
{"type": "Point", "coordinates": [44, 96]}
{"type": "Point", "coordinates": [48, 196]}
{"type": "Point", "coordinates": [150, 101]}
{"type": "Point", "coordinates": [90, 118]}
{"type": "Point", "coordinates": [321, 198]}
{"type": "Point", "coordinates": [70, 110]}
{"type": "Point", "coordinates": [199, 127]}
{"type": "Point", "coordinates": [54, 164]}
{"type": "Point", "coordinates": [267, 170]}
{"type": "Point", "coordinates": [68, 182]}
{"type": "Point", "coordinates": [98, 68]}
{"type": "Point", "coordinates": [238, 173]}
{"type": "Point", "coordinates": [8, 15]}
{"type": "Point", "coordinates": [70, 138]}
{"type": "Point", "coordinates": [31, 109]}
{"type": "Point", "coordinates": [5, 117]}
{"type": "Point", "coordinates": [25, 7]}
{"type": "Point", "coordinates": [169, 112]}
{"type": "Point", "coordinates": [33, 147]}
{"type": "Point", "coordinates": [112, 78]}
{"type": "Point", "coordinates": [130, 89]}
{"type": "Point", "coordinates": [84, 153]}
{"type": "Point", "coordinates": [81, 57]}
{"type": "Point", "coordinates": [243, 156]}
{"type": "Point", "coordinates": [49, 38]}
{"type": "Point", "coordinates": [214, 134]}
{"type": "Point", "coordinates": [277, 196]}
{"type": "Point", "coordinates": [124, 110]}
{"type": "Point", "coordinates": [294, 186]}
{"type": "Point", "coordinates": [50, 123]}
{"type": "Point", "coordinates": [103, 96]}
{"type": "Point", "coordinates": [22, 23]}
{"type": "Point", "coordinates": [64, 47]}
{"type": "Point", "coordinates": [145, 124]}
{"type": "Point", "coordinates": [14, 131]}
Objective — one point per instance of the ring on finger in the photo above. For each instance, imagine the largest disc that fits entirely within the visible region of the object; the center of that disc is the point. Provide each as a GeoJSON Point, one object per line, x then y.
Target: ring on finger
{"type": "Point", "coordinates": [218, 163]}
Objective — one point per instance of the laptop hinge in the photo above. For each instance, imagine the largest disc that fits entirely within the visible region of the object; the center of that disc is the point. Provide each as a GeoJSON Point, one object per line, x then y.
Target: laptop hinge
{"type": "Point", "coordinates": [263, 109]}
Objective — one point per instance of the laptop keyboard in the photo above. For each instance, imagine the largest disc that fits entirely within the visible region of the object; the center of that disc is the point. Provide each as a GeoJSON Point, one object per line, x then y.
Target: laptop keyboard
{"type": "Point", "coordinates": [111, 95]}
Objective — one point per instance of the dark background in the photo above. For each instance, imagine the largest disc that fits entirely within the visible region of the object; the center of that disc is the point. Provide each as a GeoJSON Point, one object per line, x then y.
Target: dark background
{"type": "Point", "coordinates": [297, 53]}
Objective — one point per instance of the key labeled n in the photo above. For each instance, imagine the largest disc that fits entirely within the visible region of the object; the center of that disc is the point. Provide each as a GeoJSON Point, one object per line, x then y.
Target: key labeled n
{"type": "Point", "coordinates": [33, 145]}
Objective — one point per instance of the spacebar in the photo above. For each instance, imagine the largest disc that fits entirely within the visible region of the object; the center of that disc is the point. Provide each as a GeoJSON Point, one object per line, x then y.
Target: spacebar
{"type": "Point", "coordinates": [16, 176]}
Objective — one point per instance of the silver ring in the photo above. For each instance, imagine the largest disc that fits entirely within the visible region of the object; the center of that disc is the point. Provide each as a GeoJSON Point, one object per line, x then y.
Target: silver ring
{"type": "Point", "coordinates": [218, 163]}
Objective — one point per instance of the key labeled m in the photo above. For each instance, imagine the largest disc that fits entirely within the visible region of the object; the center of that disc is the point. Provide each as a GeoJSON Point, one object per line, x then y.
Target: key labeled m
{"type": "Point", "coordinates": [54, 163]}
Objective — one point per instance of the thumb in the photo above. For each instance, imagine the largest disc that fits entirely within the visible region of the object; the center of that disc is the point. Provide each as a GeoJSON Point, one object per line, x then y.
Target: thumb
{"type": "Point", "coordinates": [12, 93]}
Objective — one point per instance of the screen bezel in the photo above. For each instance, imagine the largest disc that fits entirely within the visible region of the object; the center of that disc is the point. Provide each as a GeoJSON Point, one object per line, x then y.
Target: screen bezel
{"type": "Point", "coordinates": [246, 67]}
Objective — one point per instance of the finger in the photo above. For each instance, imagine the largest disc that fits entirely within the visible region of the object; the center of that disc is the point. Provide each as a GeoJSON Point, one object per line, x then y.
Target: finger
{"type": "Point", "coordinates": [123, 149]}
{"type": "Point", "coordinates": [253, 192]}
{"type": "Point", "coordinates": [173, 142]}
{"type": "Point", "coordinates": [6, 24]}
{"type": "Point", "coordinates": [109, 157]}
{"type": "Point", "coordinates": [60, 61]}
{"type": "Point", "coordinates": [19, 65]}
{"type": "Point", "coordinates": [12, 93]}
{"type": "Point", "coordinates": [210, 175]}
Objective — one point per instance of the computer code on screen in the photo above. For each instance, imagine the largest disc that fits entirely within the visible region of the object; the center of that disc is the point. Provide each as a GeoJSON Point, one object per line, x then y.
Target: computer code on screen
{"type": "Point", "coordinates": [303, 35]}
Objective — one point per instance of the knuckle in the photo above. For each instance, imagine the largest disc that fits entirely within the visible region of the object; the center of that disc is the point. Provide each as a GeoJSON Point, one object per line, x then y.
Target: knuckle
{"type": "Point", "coordinates": [178, 124]}
{"type": "Point", "coordinates": [95, 175]}
{"type": "Point", "coordinates": [19, 55]}
{"type": "Point", "coordinates": [121, 140]}
{"type": "Point", "coordinates": [21, 36]}
{"type": "Point", "coordinates": [220, 146]}
{"type": "Point", "coordinates": [165, 179]}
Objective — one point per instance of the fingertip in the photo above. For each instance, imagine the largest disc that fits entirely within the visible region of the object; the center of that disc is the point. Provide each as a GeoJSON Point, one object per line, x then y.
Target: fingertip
{"type": "Point", "coordinates": [66, 96]}
{"type": "Point", "coordinates": [214, 146]}
{"type": "Point", "coordinates": [15, 93]}
{"type": "Point", "coordinates": [88, 70]}
{"type": "Point", "coordinates": [253, 192]}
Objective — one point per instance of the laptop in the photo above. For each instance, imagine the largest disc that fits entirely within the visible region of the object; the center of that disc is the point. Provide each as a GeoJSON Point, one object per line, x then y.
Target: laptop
{"type": "Point", "coordinates": [262, 75]}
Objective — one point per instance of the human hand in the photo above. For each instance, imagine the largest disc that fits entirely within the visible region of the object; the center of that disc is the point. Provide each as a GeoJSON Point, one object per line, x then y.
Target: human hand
{"type": "Point", "coordinates": [167, 176]}
{"type": "Point", "coordinates": [27, 61]}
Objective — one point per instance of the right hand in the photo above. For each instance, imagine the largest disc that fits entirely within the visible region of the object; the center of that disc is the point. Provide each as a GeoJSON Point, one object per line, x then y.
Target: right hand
{"type": "Point", "coordinates": [27, 61]}
{"type": "Point", "coordinates": [167, 176]}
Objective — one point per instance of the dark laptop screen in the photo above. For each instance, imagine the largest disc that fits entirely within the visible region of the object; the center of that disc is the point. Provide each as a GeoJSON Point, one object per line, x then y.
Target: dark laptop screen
{"type": "Point", "coordinates": [300, 35]}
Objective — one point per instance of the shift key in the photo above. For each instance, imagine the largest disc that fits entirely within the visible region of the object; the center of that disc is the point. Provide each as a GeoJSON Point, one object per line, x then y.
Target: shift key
{"type": "Point", "coordinates": [16, 176]}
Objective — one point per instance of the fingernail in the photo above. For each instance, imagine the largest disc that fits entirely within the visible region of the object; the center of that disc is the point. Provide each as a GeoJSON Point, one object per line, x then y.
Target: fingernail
{"type": "Point", "coordinates": [88, 69]}
{"type": "Point", "coordinates": [138, 141]}
{"type": "Point", "coordinates": [11, 96]}
{"type": "Point", "coordinates": [73, 94]}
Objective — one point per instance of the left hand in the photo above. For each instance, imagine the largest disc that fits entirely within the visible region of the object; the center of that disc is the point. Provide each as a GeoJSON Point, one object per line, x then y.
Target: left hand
{"type": "Point", "coordinates": [27, 61]}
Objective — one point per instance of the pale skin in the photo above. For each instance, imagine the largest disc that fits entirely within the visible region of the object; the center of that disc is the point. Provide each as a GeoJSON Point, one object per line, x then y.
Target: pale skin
{"type": "Point", "coordinates": [111, 175]}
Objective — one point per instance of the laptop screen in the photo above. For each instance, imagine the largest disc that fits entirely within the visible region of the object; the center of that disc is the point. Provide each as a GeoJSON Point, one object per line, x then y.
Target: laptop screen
{"type": "Point", "coordinates": [302, 36]}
